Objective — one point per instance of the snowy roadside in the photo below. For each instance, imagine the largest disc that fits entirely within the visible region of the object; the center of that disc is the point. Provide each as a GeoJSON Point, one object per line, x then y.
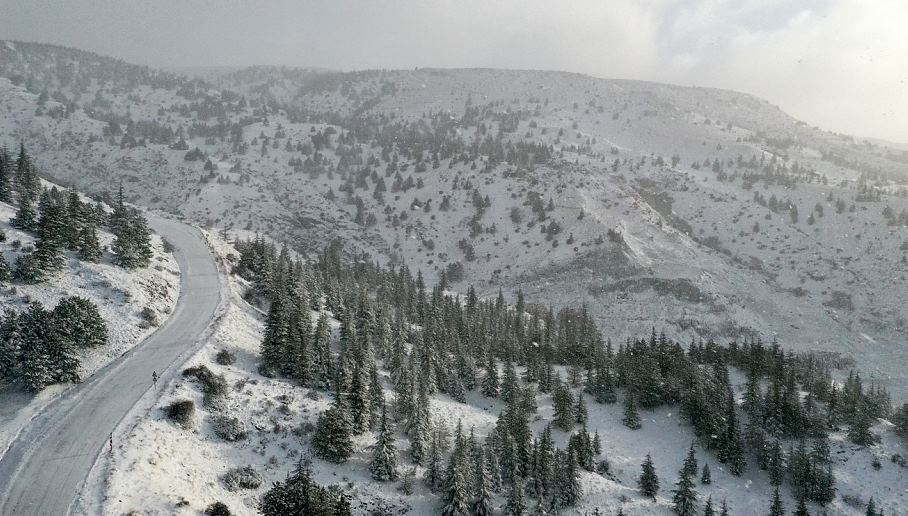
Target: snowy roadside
{"type": "Point", "coordinates": [132, 303]}
{"type": "Point", "coordinates": [95, 494]}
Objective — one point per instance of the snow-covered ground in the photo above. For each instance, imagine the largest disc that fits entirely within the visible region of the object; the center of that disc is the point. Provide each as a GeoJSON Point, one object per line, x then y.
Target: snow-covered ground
{"type": "Point", "coordinates": [121, 297]}
{"type": "Point", "coordinates": [159, 468]}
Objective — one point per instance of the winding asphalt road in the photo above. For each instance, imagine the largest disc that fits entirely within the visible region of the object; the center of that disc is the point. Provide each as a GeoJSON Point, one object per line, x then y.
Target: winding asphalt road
{"type": "Point", "coordinates": [45, 468]}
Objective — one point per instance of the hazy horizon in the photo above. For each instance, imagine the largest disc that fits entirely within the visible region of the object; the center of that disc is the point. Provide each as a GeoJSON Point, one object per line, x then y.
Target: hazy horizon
{"type": "Point", "coordinates": [835, 64]}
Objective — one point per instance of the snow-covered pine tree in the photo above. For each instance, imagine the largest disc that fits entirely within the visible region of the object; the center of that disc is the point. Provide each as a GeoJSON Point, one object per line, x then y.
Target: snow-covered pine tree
{"type": "Point", "coordinates": [384, 457]}
{"type": "Point", "coordinates": [648, 482]}
{"type": "Point", "coordinates": [490, 382]}
{"type": "Point", "coordinates": [6, 187]}
{"type": "Point", "coordinates": [132, 242]}
{"type": "Point", "coordinates": [321, 354]}
{"type": "Point", "coordinates": [690, 462]}
{"type": "Point", "coordinates": [516, 506]}
{"type": "Point", "coordinates": [333, 433]}
{"type": "Point", "coordinates": [420, 426]}
{"type": "Point", "coordinates": [35, 369]}
{"type": "Point", "coordinates": [358, 398]}
{"type": "Point", "coordinates": [569, 490]}
{"type": "Point", "coordinates": [434, 475]}
{"type": "Point", "coordinates": [731, 449]}
{"type": "Point", "coordinates": [776, 508]}
{"type": "Point", "coordinates": [79, 323]}
{"type": "Point", "coordinates": [563, 407]}
{"type": "Point", "coordinates": [376, 395]}
{"type": "Point", "coordinates": [801, 509]}
{"type": "Point", "coordinates": [580, 410]}
{"type": "Point", "coordinates": [685, 497]}
{"type": "Point", "coordinates": [273, 349]}
{"type": "Point", "coordinates": [631, 417]}
{"type": "Point", "coordinates": [706, 478]}
{"type": "Point", "coordinates": [482, 498]}
{"type": "Point", "coordinates": [456, 497]}
{"type": "Point", "coordinates": [725, 510]}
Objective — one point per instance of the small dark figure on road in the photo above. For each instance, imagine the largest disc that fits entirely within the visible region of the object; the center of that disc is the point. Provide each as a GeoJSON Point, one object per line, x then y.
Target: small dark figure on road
{"type": "Point", "coordinates": [111, 442]}
{"type": "Point", "coordinates": [154, 379]}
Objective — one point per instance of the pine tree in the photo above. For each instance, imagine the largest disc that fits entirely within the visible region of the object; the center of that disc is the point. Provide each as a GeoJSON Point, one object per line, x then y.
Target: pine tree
{"type": "Point", "coordinates": [455, 501]}
{"type": "Point", "coordinates": [516, 505]}
{"type": "Point", "coordinates": [132, 242]}
{"type": "Point", "coordinates": [28, 187]}
{"type": "Point", "coordinates": [79, 323]}
{"type": "Point", "coordinates": [299, 494]}
{"type": "Point", "coordinates": [5, 272]}
{"type": "Point", "coordinates": [685, 498]}
{"type": "Point", "coordinates": [776, 464]}
{"type": "Point", "coordinates": [801, 510]}
{"type": "Point", "coordinates": [88, 247]}
{"type": "Point", "coordinates": [6, 189]}
{"type": "Point", "coordinates": [482, 501]}
{"type": "Point", "coordinates": [434, 475]}
{"type": "Point", "coordinates": [35, 367]}
{"type": "Point", "coordinates": [690, 462]}
{"type": "Point", "coordinates": [359, 399]}
{"type": "Point", "coordinates": [708, 509]}
{"type": "Point", "coordinates": [871, 508]}
{"type": "Point", "coordinates": [274, 344]}
{"type": "Point", "coordinates": [376, 395]}
{"type": "Point", "coordinates": [648, 481]}
{"type": "Point", "coordinates": [581, 411]}
{"type": "Point", "coordinates": [563, 407]}
{"type": "Point", "coordinates": [321, 354]}
{"type": "Point", "coordinates": [631, 417]}
{"type": "Point", "coordinates": [490, 380]}
{"type": "Point", "coordinates": [859, 433]}
{"type": "Point", "coordinates": [420, 426]}
{"type": "Point", "coordinates": [47, 256]}
{"type": "Point", "coordinates": [570, 492]}
{"type": "Point", "coordinates": [776, 508]}
{"type": "Point", "coordinates": [333, 433]}
{"type": "Point", "coordinates": [731, 449]}
{"type": "Point", "coordinates": [724, 508]}
{"type": "Point", "coordinates": [706, 478]}
{"type": "Point", "coordinates": [384, 457]}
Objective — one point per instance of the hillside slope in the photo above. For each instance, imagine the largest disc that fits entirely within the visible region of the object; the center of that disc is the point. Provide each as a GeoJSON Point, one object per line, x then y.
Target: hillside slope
{"type": "Point", "coordinates": [709, 213]}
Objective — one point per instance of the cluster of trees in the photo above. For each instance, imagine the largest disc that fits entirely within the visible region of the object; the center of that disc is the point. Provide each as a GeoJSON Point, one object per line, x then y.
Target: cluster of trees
{"type": "Point", "coordinates": [300, 494]}
{"type": "Point", "coordinates": [38, 347]}
{"type": "Point", "coordinates": [431, 342]}
{"type": "Point", "coordinates": [62, 221]}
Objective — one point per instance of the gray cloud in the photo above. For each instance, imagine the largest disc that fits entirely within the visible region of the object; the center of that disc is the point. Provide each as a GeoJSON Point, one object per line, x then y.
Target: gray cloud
{"type": "Point", "coordinates": [839, 64]}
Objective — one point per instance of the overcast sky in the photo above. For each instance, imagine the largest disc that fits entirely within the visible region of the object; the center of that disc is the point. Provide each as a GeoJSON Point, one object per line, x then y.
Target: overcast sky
{"type": "Point", "coordinates": [839, 64]}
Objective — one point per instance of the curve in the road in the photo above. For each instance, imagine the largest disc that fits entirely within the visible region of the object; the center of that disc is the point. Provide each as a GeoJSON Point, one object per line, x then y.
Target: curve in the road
{"type": "Point", "coordinates": [46, 466]}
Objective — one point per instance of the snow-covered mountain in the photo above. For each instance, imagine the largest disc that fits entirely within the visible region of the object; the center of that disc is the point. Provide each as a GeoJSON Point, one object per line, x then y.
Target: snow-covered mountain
{"type": "Point", "coordinates": [705, 212]}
